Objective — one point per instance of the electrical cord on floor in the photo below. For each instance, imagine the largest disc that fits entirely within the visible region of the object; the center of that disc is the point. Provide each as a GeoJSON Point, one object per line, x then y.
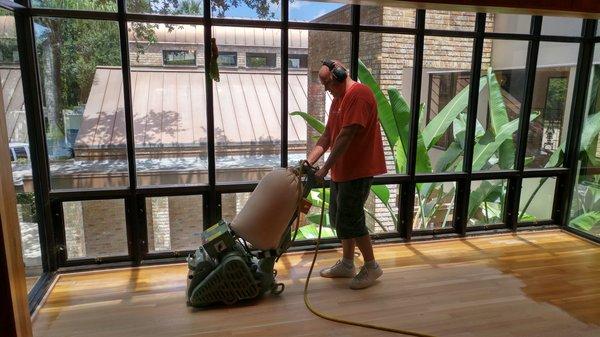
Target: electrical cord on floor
{"type": "Point", "coordinates": [339, 320]}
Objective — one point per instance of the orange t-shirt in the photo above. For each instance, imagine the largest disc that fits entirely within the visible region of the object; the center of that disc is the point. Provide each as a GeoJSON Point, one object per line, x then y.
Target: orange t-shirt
{"type": "Point", "coordinates": [364, 157]}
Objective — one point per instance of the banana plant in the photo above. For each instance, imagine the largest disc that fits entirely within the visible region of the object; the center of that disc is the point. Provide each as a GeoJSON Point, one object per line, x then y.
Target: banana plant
{"type": "Point", "coordinates": [380, 191]}
{"type": "Point", "coordinates": [494, 146]}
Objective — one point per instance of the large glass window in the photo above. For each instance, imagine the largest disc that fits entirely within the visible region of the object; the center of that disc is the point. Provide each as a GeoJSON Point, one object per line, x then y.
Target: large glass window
{"type": "Point", "coordinates": [101, 6]}
{"type": "Point", "coordinates": [486, 202]}
{"type": "Point", "coordinates": [508, 23]}
{"type": "Point", "coordinates": [307, 98]}
{"type": "Point", "coordinates": [249, 9]}
{"type": "Point", "coordinates": [499, 106]}
{"type": "Point", "coordinates": [435, 19]}
{"type": "Point", "coordinates": [555, 25]}
{"type": "Point", "coordinates": [319, 11]}
{"type": "Point", "coordinates": [387, 16]}
{"type": "Point", "coordinates": [537, 198]}
{"type": "Point", "coordinates": [169, 104]}
{"type": "Point", "coordinates": [81, 78]}
{"type": "Point", "coordinates": [95, 228]}
{"type": "Point", "coordinates": [171, 7]}
{"type": "Point", "coordinates": [444, 103]}
{"type": "Point", "coordinates": [585, 205]}
{"type": "Point", "coordinates": [13, 115]}
{"type": "Point", "coordinates": [434, 206]}
{"type": "Point", "coordinates": [174, 223]}
{"type": "Point", "coordinates": [247, 105]}
{"type": "Point", "coordinates": [551, 103]}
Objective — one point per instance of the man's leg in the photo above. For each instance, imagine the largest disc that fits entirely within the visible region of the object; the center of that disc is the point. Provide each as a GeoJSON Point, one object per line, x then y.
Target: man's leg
{"type": "Point", "coordinates": [371, 271]}
{"type": "Point", "coordinates": [345, 266]}
{"type": "Point", "coordinates": [348, 249]}
{"type": "Point", "coordinates": [366, 248]}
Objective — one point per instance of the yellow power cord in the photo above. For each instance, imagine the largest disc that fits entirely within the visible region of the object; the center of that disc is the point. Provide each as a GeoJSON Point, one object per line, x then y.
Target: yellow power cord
{"type": "Point", "coordinates": [334, 319]}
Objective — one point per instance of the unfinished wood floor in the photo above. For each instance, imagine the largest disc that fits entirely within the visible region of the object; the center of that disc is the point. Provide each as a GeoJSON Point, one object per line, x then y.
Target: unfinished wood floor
{"type": "Point", "coordinates": [531, 284]}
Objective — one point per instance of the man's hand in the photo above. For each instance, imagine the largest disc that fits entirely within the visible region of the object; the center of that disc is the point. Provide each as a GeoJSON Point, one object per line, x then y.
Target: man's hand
{"type": "Point", "coordinates": [320, 175]}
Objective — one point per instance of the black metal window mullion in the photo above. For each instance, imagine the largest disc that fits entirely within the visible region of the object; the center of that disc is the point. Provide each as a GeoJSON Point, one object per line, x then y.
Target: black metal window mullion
{"type": "Point", "coordinates": [408, 189]}
{"type": "Point", "coordinates": [35, 129]}
{"type": "Point", "coordinates": [463, 189]}
{"type": "Point", "coordinates": [284, 82]}
{"type": "Point", "coordinates": [513, 194]}
{"type": "Point", "coordinates": [213, 205]}
{"type": "Point", "coordinates": [355, 36]}
{"type": "Point", "coordinates": [134, 237]}
{"type": "Point", "coordinates": [566, 183]}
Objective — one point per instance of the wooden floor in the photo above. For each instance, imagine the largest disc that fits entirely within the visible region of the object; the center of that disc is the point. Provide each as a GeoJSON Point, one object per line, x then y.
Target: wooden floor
{"type": "Point", "coordinates": [531, 284]}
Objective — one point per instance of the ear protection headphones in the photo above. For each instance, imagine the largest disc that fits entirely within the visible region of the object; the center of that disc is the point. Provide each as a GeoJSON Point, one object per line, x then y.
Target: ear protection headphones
{"type": "Point", "coordinates": [338, 73]}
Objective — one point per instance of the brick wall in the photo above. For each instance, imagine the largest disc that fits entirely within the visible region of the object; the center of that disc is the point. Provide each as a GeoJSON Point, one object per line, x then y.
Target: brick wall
{"type": "Point", "coordinates": [104, 227]}
{"type": "Point", "coordinates": [186, 221]}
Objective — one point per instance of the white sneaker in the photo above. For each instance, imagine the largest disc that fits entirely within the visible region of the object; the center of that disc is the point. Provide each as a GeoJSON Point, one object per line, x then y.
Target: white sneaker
{"type": "Point", "coordinates": [339, 269]}
{"type": "Point", "coordinates": [366, 277]}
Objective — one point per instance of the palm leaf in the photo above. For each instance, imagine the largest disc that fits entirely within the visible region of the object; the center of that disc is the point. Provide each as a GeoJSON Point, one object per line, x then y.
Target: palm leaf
{"type": "Point", "coordinates": [312, 121]}
{"type": "Point", "coordinates": [586, 221]}
{"type": "Point", "coordinates": [498, 118]}
{"type": "Point", "coordinates": [488, 145]}
{"type": "Point", "coordinates": [384, 109]}
{"type": "Point", "coordinates": [438, 125]}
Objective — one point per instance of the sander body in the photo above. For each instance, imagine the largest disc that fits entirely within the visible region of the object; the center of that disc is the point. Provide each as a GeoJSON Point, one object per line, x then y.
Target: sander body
{"type": "Point", "coordinates": [235, 261]}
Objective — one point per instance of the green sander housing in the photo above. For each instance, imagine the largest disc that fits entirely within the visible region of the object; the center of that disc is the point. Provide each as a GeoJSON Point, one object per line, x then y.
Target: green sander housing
{"type": "Point", "coordinates": [225, 270]}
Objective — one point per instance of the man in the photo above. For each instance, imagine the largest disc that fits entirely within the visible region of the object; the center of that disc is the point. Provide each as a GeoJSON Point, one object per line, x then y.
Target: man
{"type": "Point", "coordinates": [354, 136]}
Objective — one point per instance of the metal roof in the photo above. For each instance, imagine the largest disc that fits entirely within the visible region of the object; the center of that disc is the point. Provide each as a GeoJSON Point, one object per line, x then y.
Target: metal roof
{"type": "Point", "coordinates": [169, 109]}
{"type": "Point", "coordinates": [232, 36]}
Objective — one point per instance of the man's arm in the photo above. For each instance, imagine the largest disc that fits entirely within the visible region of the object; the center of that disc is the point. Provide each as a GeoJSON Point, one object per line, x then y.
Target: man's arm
{"type": "Point", "coordinates": [342, 142]}
{"type": "Point", "coordinates": [320, 148]}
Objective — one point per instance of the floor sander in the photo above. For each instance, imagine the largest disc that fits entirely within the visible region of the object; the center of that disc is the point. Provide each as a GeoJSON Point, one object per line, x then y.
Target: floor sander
{"type": "Point", "coordinates": [236, 260]}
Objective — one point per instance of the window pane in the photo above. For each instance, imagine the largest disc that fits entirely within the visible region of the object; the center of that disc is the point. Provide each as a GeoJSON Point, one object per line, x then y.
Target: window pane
{"type": "Point", "coordinates": [260, 60]}
{"type": "Point", "coordinates": [247, 105]}
{"type": "Point", "coordinates": [309, 223]}
{"type": "Point", "coordinates": [227, 59]}
{"type": "Point", "coordinates": [486, 202]}
{"type": "Point", "coordinates": [255, 10]}
{"type": "Point", "coordinates": [169, 105]}
{"type": "Point", "coordinates": [435, 19]}
{"type": "Point", "coordinates": [537, 198]}
{"type": "Point", "coordinates": [444, 103]}
{"type": "Point", "coordinates": [95, 228]}
{"type": "Point", "coordinates": [102, 6]}
{"type": "Point", "coordinates": [305, 91]}
{"type": "Point", "coordinates": [554, 25]}
{"type": "Point", "coordinates": [503, 78]}
{"type": "Point", "coordinates": [381, 209]}
{"type": "Point", "coordinates": [389, 59]}
{"type": "Point", "coordinates": [172, 7]}
{"type": "Point", "coordinates": [552, 96]}
{"type": "Point", "coordinates": [434, 206]}
{"type": "Point", "coordinates": [174, 223]}
{"type": "Point", "coordinates": [322, 12]}
{"type": "Point", "coordinates": [585, 205]}
{"type": "Point", "coordinates": [298, 61]}
{"type": "Point", "coordinates": [81, 78]}
{"type": "Point", "coordinates": [387, 16]}
{"type": "Point", "coordinates": [232, 204]}
{"type": "Point", "coordinates": [179, 57]}
{"type": "Point", "coordinates": [508, 23]}
{"type": "Point", "coordinates": [13, 113]}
